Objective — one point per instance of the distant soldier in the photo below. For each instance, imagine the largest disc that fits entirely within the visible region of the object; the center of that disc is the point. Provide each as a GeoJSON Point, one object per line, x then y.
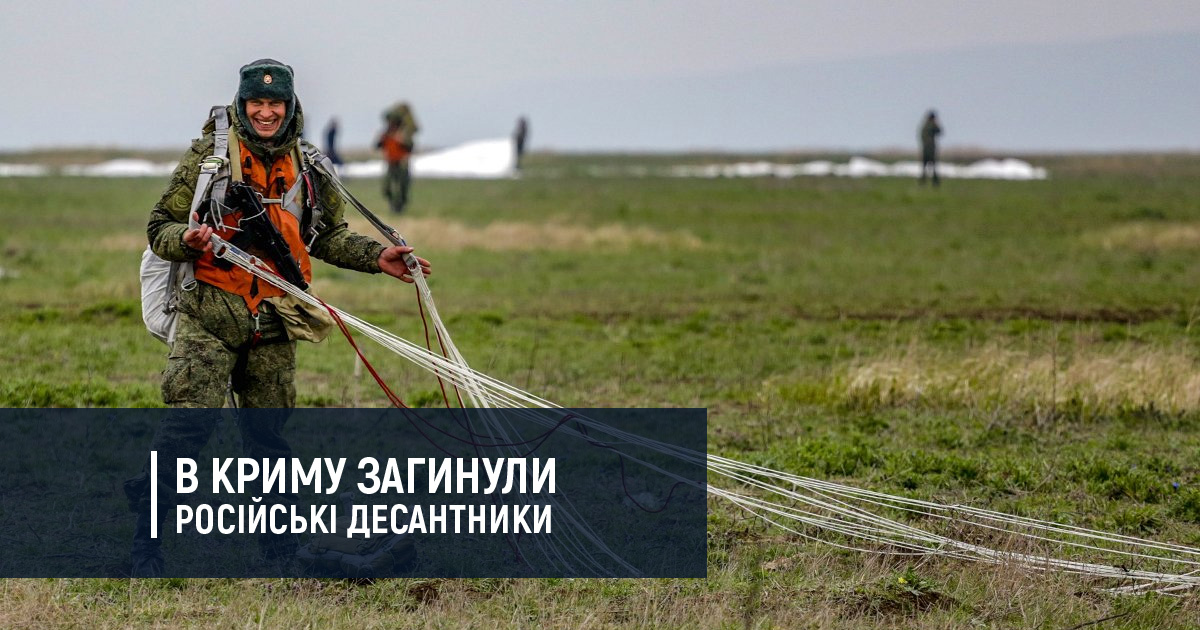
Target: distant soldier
{"type": "Point", "coordinates": [520, 134]}
{"type": "Point", "coordinates": [930, 130]}
{"type": "Point", "coordinates": [331, 151]}
{"type": "Point", "coordinates": [396, 142]}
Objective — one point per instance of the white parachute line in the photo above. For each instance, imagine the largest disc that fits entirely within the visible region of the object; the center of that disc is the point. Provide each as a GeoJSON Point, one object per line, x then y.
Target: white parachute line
{"type": "Point", "coordinates": [485, 391]}
{"type": "Point", "coordinates": [886, 527]}
{"type": "Point", "coordinates": [928, 508]}
{"type": "Point", "coordinates": [969, 552]}
{"type": "Point", "coordinates": [1106, 571]}
{"type": "Point", "coordinates": [1057, 541]}
{"type": "Point", "coordinates": [745, 503]}
{"type": "Point", "coordinates": [888, 499]}
{"type": "Point", "coordinates": [421, 356]}
{"type": "Point", "coordinates": [881, 523]}
{"type": "Point", "coordinates": [873, 529]}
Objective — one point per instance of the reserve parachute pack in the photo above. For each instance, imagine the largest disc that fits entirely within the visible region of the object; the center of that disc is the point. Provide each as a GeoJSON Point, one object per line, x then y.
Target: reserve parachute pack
{"type": "Point", "coordinates": [162, 280]}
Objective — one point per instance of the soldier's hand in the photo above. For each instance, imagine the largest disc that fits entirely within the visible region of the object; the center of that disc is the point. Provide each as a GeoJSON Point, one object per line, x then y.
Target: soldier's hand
{"type": "Point", "coordinates": [198, 238]}
{"type": "Point", "coordinates": [391, 262]}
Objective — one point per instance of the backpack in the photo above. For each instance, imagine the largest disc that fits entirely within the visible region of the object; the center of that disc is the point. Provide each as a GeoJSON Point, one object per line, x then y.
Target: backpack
{"type": "Point", "coordinates": [161, 280]}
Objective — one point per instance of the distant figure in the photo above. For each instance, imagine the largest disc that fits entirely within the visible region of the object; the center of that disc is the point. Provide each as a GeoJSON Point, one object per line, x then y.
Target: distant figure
{"type": "Point", "coordinates": [520, 134]}
{"type": "Point", "coordinates": [929, 133]}
{"type": "Point", "coordinates": [331, 142]}
{"type": "Point", "coordinates": [396, 142]}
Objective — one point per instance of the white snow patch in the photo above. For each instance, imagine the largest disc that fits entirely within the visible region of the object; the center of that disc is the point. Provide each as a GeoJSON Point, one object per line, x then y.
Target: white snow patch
{"type": "Point", "coordinates": [482, 159]}
{"type": "Point", "coordinates": [23, 170]}
{"type": "Point", "coordinates": [370, 168]}
{"type": "Point", "coordinates": [124, 167]}
{"type": "Point", "coordinates": [861, 167]}
{"type": "Point", "coordinates": [1007, 168]}
{"type": "Point", "coordinates": [488, 159]}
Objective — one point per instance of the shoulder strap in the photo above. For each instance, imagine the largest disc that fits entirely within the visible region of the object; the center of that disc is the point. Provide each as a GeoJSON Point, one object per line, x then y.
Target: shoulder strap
{"type": "Point", "coordinates": [292, 198]}
{"type": "Point", "coordinates": [311, 159]}
{"type": "Point", "coordinates": [211, 167]}
{"type": "Point", "coordinates": [222, 148]}
{"type": "Point", "coordinates": [235, 156]}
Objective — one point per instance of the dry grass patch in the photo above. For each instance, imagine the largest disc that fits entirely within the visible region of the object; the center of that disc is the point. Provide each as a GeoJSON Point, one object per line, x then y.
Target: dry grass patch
{"type": "Point", "coordinates": [1147, 236]}
{"type": "Point", "coordinates": [556, 233]}
{"type": "Point", "coordinates": [1166, 379]}
{"type": "Point", "coordinates": [497, 236]}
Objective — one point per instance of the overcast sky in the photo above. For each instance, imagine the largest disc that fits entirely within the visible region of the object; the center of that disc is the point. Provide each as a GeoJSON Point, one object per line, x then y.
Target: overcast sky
{"type": "Point", "coordinates": [143, 72]}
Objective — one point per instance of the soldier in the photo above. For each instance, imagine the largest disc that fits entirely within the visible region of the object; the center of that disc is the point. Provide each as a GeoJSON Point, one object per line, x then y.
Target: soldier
{"type": "Point", "coordinates": [930, 130]}
{"type": "Point", "coordinates": [231, 332]}
{"type": "Point", "coordinates": [331, 131]}
{"type": "Point", "coordinates": [396, 142]}
{"type": "Point", "coordinates": [520, 135]}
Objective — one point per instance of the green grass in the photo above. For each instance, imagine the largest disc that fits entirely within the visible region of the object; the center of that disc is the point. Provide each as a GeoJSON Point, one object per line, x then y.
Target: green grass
{"type": "Point", "coordinates": [1028, 347]}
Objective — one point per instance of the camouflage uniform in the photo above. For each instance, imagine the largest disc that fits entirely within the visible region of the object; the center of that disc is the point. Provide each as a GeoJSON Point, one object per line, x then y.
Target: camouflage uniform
{"type": "Point", "coordinates": [397, 181]}
{"type": "Point", "coordinates": [213, 348]}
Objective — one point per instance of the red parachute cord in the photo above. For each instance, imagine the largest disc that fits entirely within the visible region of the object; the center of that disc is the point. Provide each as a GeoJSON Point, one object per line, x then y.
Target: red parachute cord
{"type": "Point", "coordinates": [395, 400]}
{"type": "Point", "coordinates": [514, 542]}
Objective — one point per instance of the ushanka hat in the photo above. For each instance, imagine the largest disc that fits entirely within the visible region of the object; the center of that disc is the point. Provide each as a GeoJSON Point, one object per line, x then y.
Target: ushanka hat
{"type": "Point", "coordinates": [267, 79]}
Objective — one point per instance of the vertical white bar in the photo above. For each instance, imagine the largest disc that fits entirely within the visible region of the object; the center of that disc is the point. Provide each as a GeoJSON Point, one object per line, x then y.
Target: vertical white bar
{"type": "Point", "coordinates": [154, 494]}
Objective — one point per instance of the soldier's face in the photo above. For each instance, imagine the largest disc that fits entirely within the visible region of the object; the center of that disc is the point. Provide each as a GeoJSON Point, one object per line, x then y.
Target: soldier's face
{"type": "Point", "coordinates": [266, 115]}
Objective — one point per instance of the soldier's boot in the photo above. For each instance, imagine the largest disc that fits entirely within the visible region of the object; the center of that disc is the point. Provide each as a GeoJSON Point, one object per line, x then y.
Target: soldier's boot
{"type": "Point", "coordinates": [146, 557]}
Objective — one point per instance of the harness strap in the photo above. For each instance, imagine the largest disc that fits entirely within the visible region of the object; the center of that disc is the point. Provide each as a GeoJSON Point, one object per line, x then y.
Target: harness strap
{"type": "Point", "coordinates": [215, 166]}
{"type": "Point", "coordinates": [291, 199]}
{"type": "Point", "coordinates": [235, 156]}
{"type": "Point", "coordinates": [221, 151]}
{"type": "Point", "coordinates": [312, 157]}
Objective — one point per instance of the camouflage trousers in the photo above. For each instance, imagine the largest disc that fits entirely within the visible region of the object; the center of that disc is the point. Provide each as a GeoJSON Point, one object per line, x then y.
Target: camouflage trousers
{"type": "Point", "coordinates": [214, 351]}
{"type": "Point", "coordinates": [396, 183]}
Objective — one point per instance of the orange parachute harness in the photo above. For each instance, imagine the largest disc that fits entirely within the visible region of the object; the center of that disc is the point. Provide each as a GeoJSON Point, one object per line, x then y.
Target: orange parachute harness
{"type": "Point", "coordinates": [289, 198]}
{"type": "Point", "coordinates": [279, 185]}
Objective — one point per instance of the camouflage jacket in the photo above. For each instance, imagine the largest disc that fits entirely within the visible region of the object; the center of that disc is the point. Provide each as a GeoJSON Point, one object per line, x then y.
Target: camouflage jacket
{"type": "Point", "coordinates": [335, 244]}
{"type": "Point", "coordinates": [168, 221]}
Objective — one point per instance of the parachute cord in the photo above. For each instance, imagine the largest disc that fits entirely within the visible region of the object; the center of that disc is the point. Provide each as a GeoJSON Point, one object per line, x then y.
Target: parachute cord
{"type": "Point", "coordinates": [428, 346]}
{"type": "Point", "coordinates": [392, 397]}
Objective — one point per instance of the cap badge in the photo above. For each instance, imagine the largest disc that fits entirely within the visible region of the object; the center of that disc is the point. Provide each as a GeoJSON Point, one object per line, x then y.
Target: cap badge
{"type": "Point", "coordinates": [267, 79]}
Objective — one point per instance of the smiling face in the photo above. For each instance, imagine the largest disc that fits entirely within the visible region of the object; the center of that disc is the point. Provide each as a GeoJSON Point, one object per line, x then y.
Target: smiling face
{"type": "Point", "coordinates": [266, 115]}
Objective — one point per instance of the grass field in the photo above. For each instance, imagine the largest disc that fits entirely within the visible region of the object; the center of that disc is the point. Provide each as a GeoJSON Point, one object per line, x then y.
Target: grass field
{"type": "Point", "coordinates": [1029, 347]}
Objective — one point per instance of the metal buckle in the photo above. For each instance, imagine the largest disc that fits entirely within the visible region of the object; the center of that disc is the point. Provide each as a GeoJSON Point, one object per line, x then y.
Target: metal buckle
{"type": "Point", "coordinates": [213, 163]}
{"type": "Point", "coordinates": [268, 201]}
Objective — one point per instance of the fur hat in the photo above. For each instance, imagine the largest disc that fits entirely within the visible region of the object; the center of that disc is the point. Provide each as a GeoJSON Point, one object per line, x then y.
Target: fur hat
{"type": "Point", "coordinates": [269, 79]}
